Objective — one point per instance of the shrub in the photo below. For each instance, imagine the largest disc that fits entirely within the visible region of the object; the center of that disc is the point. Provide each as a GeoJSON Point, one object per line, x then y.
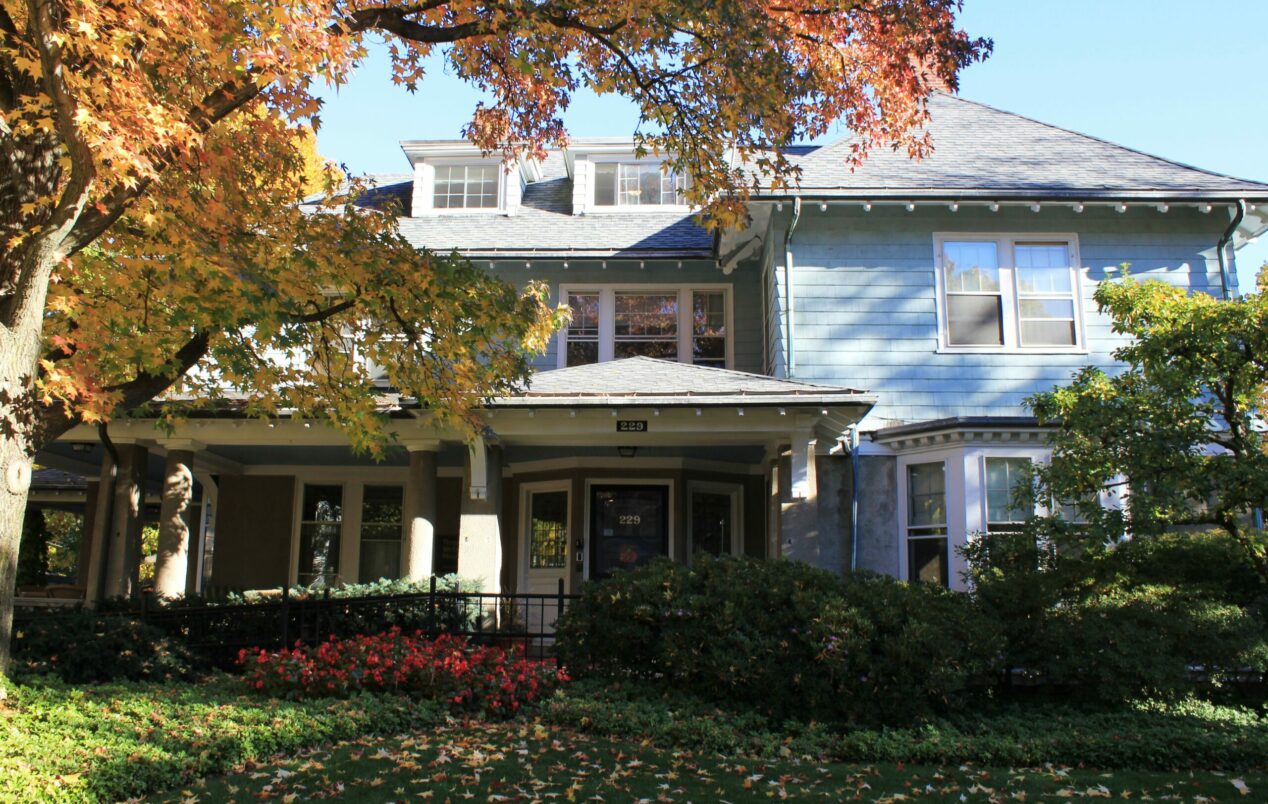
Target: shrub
{"type": "Point", "coordinates": [781, 637]}
{"type": "Point", "coordinates": [81, 647]}
{"type": "Point", "coordinates": [448, 669]}
{"type": "Point", "coordinates": [1161, 617]}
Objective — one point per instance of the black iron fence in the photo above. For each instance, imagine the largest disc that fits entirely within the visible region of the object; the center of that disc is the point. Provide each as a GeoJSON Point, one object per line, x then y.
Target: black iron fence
{"type": "Point", "coordinates": [219, 631]}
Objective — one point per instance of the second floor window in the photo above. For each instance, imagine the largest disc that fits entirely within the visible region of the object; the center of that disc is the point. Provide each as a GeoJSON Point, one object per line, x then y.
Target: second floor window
{"type": "Point", "coordinates": [635, 184]}
{"type": "Point", "coordinates": [466, 187]}
{"type": "Point", "coordinates": [1008, 293]}
{"type": "Point", "coordinates": [688, 325]}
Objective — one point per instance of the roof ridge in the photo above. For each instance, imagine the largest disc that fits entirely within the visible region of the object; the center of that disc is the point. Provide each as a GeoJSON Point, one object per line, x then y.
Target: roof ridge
{"type": "Point", "coordinates": [1094, 138]}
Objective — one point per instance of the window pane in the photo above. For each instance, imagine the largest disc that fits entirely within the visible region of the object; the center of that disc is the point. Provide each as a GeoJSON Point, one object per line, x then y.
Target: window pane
{"type": "Point", "coordinates": [382, 505]}
{"type": "Point", "coordinates": [663, 350]}
{"type": "Point", "coordinates": [970, 267]}
{"type": "Point", "coordinates": [927, 561]}
{"type": "Point", "coordinates": [1005, 477]}
{"type": "Point", "coordinates": [711, 525]}
{"type": "Point", "coordinates": [926, 493]}
{"type": "Point", "coordinates": [1043, 268]}
{"type": "Point", "coordinates": [646, 315]}
{"type": "Point", "coordinates": [581, 353]}
{"type": "Point", "coordinates": [465, 186]}
{"type": "Point", "coordinates": [323, 504]}
{"type": "Point", "coordinates": [548, 530]}
{"type": "Point", "coordinates": [318, 553]}
{"type": "Point", "coordinates": [1048, 333]}
{"type": "Point", "coordinates": [708, 329]}
{"type": "Point", "coordinates": [605, 184]}
{"type": "Point", "coordinates": [380, 560]}
{"type": "Point", "coordinates": [975, 320]}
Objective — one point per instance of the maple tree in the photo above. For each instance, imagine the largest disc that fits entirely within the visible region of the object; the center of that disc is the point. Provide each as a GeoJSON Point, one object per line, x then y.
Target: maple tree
{"type": "Point", "coordinates": [152, 151]}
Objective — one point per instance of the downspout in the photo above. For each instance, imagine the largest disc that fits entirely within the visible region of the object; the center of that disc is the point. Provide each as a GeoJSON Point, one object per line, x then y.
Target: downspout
{"type": "Point", "coordinates": [854, 497]}
{"type": "Point", "coordinates": [1225, 239]}
{"type": "Point", "coordinates": [789, 353]}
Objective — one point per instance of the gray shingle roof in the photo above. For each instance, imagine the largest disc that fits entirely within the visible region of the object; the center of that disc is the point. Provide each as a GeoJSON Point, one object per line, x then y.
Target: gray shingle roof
{"type": "Point", "coordinates": [985, 152]}
{"type": "Point", "coordinates": [646, 380]}
{"type": "Point", "coordinates": [545, 226]}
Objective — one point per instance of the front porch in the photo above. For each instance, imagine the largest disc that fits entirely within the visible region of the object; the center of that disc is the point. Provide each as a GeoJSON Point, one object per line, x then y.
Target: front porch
{"type": "Point", "coordinates": [596, 468]}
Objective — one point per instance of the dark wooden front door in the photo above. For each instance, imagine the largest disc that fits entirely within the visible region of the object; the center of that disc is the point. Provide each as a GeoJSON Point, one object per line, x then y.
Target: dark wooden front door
{"type": "Point", "coordinates": [629, 526]}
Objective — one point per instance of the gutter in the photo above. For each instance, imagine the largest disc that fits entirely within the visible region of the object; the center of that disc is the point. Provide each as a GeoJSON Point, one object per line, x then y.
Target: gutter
{"type": "Point", "coordinates": [789, 352]}
{"type": "Point", "coordinates": [1238, 216]}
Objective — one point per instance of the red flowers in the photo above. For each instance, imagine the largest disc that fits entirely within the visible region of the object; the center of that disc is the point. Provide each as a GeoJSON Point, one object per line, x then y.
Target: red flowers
{"type": "Point", "coordinates": [471, 677]}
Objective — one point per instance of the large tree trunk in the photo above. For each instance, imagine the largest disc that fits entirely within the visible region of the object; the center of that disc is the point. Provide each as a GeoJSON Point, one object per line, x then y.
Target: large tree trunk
{"type": "Point", "coordinates": [22, 431]}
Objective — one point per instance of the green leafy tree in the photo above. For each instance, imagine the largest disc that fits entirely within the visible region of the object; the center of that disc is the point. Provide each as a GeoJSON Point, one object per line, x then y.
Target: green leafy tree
{"type": "Point", "coordinates": [1177, 432]}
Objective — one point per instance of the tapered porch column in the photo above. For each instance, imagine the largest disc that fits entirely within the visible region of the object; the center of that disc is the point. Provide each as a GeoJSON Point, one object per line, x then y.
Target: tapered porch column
{"type": "Point", "coordinates": [124, 557]}
{"type": "Point", "coordinates": [172, 563]}
{"type": "Point", "coordinates": [97, 525]}
{"type": "Point", "coordinates": [420, 510]}
{"type": "Point", "coordinates": [802, 538]}
{"type": "Point", "coordinates": [479, 529]}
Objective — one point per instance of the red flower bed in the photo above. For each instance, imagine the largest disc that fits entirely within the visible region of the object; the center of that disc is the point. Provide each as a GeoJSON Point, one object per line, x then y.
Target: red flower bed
{"type": "Point", "coordinates": [469, 677]}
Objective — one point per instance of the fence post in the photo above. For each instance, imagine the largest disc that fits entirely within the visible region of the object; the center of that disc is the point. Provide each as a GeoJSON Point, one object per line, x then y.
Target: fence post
{"type": "Point", "coordinates": [431, 608]}
{"type": "Point", "coordinates": [286, 615]}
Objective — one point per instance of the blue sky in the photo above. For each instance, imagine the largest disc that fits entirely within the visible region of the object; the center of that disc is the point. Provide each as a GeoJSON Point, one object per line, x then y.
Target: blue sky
{"type": "Point", "coordinates": [1173, 78]}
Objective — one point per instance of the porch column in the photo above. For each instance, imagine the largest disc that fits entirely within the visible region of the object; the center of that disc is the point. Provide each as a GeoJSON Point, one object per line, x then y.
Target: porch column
{"type": "Point", "coordinates": [800, 534]}
{"type": "Point", "coordinates": [172, 562]}
{"type": "Point", "coordinates": [479, 529]}
{"type": "Point", "coordinates": [124, 557]}
{"type": "Point", "coordinates": [420, 511]}
{"type": "Point", "coordinates": [97, 531]}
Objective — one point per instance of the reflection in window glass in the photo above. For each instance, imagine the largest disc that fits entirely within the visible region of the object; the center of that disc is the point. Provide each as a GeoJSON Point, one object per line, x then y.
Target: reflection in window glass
{"type": "Point", "coordinates": [381, 525]}
{"type": "Point", "coordinates": [1005, 479]}
{"type": "Point", "coordinates": [635, 184]}
{"type": "Point", "coordinates": [465, 187]}
{"type": "Point", "coordinates": [1045, 294]}
{"type": "Point", "coordinates": [708, 336]}
{"type": "Point", "coordinates": [321, 521]}
{"type": "Point", "coordinates": [927, 559]}
{"type": "Point", "coordinates": [646, 324]}
{"type": "Point", "coordinates": [548, 530]}
{"type": "Point", "coordinates": [583, 332]}
{"type": "Point", "coordinates": [974, 302]}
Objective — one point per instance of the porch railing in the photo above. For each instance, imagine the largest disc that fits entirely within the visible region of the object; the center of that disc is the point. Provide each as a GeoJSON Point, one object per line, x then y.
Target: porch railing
{"type": "Point", "coordinates": [218, 632]}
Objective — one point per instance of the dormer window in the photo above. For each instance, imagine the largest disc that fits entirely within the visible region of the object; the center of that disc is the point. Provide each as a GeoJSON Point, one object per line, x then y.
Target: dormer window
{"type": "Point", "coordinates": [619, 184]}
{"type": "Point", "coordinates": [466, 187]}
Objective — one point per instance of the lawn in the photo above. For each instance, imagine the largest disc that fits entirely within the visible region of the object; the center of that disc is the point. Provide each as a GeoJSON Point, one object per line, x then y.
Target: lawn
{"type": "Point", "coordinates": [532, 762]}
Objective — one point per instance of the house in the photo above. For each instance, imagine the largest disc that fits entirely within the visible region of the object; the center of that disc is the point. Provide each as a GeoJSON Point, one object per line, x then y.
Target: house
{"type": "Point", "coordinates": [841, 382]}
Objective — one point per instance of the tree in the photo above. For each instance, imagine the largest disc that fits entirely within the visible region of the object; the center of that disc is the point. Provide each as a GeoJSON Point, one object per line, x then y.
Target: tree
{"type": "Point", "coordinates": [33, 550]}
{"type": "Point", "coordinates": [152, 153]}
{"type": "Point", "coordinates": [1179, 428]}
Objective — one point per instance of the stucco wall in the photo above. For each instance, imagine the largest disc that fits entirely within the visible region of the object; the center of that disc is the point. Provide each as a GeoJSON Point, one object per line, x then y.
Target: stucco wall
{"type": "Point", "coordinates": [865, 299]}
{"type": "Point", "coordinates": [878, 514]}
{"type": "Point", "coordinates": [254, 520]}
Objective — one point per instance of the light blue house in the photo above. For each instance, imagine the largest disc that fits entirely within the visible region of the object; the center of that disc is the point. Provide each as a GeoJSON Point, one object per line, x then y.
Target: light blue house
{"type": "Point", "coordinates": [841, 382]}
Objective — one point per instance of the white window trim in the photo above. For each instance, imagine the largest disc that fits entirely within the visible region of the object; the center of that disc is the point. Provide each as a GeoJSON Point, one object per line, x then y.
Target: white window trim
{"type": "Point", "coordinates": [592, 205]}
{"type": "Point", "coordinates": [432, 163]}
{"type": "Point", "coordinates": [733, 490]}
{"type": "Point", "coordinates": [1004, 244]}
{"type": "Point", "coordinates": [607, 317]}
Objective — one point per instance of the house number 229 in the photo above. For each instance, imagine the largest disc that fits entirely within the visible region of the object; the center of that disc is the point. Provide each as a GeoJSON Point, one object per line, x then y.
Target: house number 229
{"type": "Point", "coordinates": [630, 519]}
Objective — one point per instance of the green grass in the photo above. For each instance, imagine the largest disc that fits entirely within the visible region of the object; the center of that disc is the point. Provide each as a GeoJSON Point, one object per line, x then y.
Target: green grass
{"type": "Point", "coordinates": [531, 762]}
{"type": "Point", "coordinates": [115, 741]}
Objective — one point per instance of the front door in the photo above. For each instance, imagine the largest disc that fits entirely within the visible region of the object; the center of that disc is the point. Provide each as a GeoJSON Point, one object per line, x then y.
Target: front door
{"type": "Point", "coordinates": [546, 562]}
{"type": "Point", "coordinates": [629, 526]}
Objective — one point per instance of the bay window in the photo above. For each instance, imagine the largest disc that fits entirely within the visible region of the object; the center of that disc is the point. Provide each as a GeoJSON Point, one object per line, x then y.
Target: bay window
{"type": "Point", "coordinates": [1008, 293]}
{"type": "Point", "coordinates": [684, 324]}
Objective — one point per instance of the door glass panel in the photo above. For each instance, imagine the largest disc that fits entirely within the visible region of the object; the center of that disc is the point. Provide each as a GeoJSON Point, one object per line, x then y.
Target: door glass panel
{"type": "Point", "coordinates": [712, 528]}
{"type": "Point", "coordinates": [629, 526]}
{"type": "Point", "coordinates": [381, 523]}
{"type": "Point", "coordinates": [321, 521]}
{"type": "Point", "coordinates": [548, 530]}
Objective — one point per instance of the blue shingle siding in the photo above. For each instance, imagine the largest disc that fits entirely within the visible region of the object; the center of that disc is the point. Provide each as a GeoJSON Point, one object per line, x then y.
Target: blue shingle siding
{"type": "Point", "coordinates": [866, 316]}
{"type": "Point", "coordinates": [744, 286]}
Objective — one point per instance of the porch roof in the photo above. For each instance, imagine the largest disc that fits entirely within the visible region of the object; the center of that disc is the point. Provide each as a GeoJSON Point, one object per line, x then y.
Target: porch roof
{"type": "Point", "coordinates": [647, 381]}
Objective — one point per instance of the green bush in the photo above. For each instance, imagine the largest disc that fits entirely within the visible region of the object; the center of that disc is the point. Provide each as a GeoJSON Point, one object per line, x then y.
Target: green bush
{"type": "Point", "coordinates": [1162, 617]}
{"type": "Point", "coordinates": [783, 638]}
{"type": "Point", "coordinates": [82, 647]}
